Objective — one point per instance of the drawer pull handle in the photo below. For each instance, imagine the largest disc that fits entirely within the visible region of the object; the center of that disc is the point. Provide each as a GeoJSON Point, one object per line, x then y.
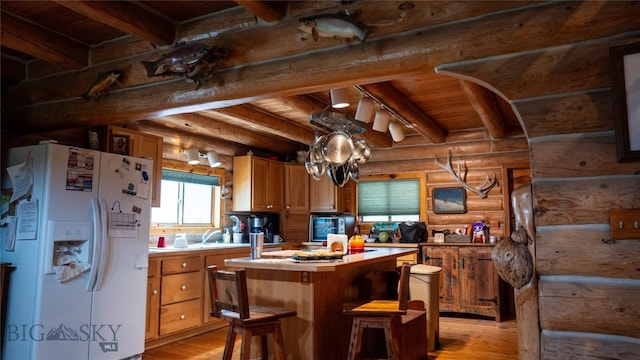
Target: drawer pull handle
{"type": "Point", "coordinates": [182, 317]}
{"type": "Point", "coordinates": [183, 287]}
{"type": "Point", "coordinates": [184, 265]}
{"type": "Point", "coordinates": [155, 292]}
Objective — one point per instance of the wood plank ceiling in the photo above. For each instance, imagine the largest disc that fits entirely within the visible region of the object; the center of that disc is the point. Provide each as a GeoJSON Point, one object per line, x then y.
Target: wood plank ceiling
{"type": "Point", "coordinates": [41, 38]}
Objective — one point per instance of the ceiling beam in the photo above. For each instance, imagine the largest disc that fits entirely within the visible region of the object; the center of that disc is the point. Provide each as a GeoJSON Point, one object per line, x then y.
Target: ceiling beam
{"type": "Point", "coordinates": [404, 54]}
{"type": "Point", "coordinates": [308, 104]}
{"type": "Point", "coordinates": [269, 123]}
{"type": "Point", "coordinates": [190, 139]}
{"type": "Point", "coordinates": [404, 107]}
{"type": "Point", "coordinates": [214, 128]}
{"type": "Point", "coordinates": [36, 41]}
{"type": "Point", "coordinates": [127, 17]}
{"type": "Point", "coordinates": [484, 103]}
{"type": "Point", "coordinates": [268, 11]}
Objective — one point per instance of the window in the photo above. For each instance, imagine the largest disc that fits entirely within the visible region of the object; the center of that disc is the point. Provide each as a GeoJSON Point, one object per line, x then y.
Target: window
{"type": "Point", "coordinates": [188, 199]}
{"type": "Point", "coordinates": [389, 200]}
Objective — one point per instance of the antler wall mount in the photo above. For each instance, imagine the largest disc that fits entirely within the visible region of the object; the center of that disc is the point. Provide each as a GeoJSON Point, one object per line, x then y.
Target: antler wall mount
{"type": "Point", "coordinates": [461, 177]}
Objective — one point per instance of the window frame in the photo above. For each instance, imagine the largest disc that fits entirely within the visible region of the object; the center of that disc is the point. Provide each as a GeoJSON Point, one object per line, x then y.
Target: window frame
{"type": "Point", "coordinates": [422, 184]}
{"type": "Point", "coordinates": [217, 207]}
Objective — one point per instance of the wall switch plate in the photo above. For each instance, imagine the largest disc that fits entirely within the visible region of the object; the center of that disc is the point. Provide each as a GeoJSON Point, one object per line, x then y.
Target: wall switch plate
{"type": "Point", "coordinates": [624, 224]}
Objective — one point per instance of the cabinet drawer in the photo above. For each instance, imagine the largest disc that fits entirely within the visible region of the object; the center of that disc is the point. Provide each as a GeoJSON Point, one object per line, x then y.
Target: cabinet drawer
{"type": "Point", "coordinates": [180, 287]}
{"type": "Point", "coordinates": [186, 264]}
{"type": "Point", "coordinates": [411, 259]}
{"type": "Point", "coordinates": [179, 316]}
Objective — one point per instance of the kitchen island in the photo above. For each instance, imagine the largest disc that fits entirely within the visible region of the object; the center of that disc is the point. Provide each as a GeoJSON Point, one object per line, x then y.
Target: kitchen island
{"type": "Point", "coordinates": [317, 291]}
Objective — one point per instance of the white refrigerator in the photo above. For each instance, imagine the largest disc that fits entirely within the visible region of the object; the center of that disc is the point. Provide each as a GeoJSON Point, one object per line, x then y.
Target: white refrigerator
{"type": "Point", "coordinates": [78, 239]}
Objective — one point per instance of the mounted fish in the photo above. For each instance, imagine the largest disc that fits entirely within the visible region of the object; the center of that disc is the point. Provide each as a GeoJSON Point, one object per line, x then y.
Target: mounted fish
{"type": "Point", "coordinates": [102, 84]}
{"type": "Point", "coordinates": [334, 26]}
{"type": "Point", "coordinates": [178, 61]}
{"type": "Point", "coordinates": [202, 71]}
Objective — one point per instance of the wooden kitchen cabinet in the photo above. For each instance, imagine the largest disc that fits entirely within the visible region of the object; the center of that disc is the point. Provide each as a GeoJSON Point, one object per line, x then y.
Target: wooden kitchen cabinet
{"type": "Point", "coordinates": [469, 282]}
{"type": "Point", "coordinates": [180, 294]}
{"type": "Point", "coordinates": [295, 217]}
{"type": "Point", "coordinates": [145, 146]}
{"type": "Point", "coordinates": [153, 300]}
{"type": "Point", "coordinates": [325, 196]}
{"type": "Point", "coordinates": [296, 181]}
{"type": "Point", "coordinates": [178, 300]}
{"type": "Point", "coordinates": [257, 184]}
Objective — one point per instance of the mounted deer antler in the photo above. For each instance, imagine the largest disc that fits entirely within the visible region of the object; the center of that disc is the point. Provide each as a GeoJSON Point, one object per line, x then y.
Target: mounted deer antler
{"type": "Point", "coordinates": [461, 177]}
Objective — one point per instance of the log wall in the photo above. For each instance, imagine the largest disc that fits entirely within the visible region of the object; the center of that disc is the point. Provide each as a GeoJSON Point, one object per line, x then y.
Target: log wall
{"type": "Point", "coordinates": [588, 286]}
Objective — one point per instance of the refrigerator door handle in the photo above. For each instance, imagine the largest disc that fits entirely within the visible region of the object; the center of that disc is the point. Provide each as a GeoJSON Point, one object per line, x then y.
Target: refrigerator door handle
{"type": "Point", "coordinates": [96, 245]}
{"type": "Point", "coordinates": [104, 244]}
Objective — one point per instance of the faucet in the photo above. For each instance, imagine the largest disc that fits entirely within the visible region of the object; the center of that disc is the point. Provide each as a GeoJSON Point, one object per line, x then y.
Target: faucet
{"type": "Point", "coordinates": [207, 235]}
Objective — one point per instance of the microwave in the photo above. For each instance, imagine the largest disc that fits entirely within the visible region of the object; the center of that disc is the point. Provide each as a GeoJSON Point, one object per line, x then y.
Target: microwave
{"type": "Point", "coordinates": [322, 225]}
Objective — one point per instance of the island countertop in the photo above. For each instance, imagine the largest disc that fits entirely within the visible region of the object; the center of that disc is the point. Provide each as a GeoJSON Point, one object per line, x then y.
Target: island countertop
{"type": "Point", "coordinates": [317, 291]}
{"type": "Point", "coordinates": [282, 260]}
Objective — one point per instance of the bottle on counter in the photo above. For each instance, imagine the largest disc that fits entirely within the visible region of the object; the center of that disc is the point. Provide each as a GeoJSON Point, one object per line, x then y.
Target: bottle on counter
{"type": "Point", "coordinates": [226, 237]}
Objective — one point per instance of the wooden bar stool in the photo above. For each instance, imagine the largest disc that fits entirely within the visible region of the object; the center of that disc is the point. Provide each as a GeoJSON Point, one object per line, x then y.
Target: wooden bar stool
{"type": "Point", "coordinates": [402, 321]}
{"type": "Point", "coordinates": [230, 301]}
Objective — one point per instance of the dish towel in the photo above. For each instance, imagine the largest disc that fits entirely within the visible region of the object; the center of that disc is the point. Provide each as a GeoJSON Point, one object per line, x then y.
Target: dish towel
{"type": "Point", "coordinates": [68, 267]}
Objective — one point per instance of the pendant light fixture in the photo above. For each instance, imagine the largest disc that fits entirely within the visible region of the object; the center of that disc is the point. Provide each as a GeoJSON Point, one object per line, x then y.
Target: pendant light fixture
{"type": "Point", "coordinates": [366, 109]}
{"type": "Point", "coordinates": [214, 159]}
{"type": "Point", "coordinates": [339, 98]}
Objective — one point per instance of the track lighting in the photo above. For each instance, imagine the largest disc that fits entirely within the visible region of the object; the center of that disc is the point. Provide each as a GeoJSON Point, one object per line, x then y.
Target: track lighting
{"type": "Point", "coordinates": [193, 156]}
{"type": "Point", "coordinates": [339, 98]}
{"type": "Point", "coordinates": [397, 133]}
{"type": "Point", "coordinates": [365, 110]}
{"type": "Point", "coordinates": [381, 120]}
{"type": "Point", "coordinates": [214, 159]}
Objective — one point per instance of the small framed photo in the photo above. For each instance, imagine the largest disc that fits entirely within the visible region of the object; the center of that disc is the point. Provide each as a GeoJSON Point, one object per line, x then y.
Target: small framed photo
{"type": "Point", "coordinates": [449, 200]}
{"type": "Point", "coordinates": [119, 144]}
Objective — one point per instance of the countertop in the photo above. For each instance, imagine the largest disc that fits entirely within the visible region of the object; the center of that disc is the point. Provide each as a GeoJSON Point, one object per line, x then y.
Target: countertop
{"type": "Point", "coordinates": [289, 264]}
{"type": "Point", "coordinates": [209, 246]}
{"type": "Point", "coordinates": [318, 244]}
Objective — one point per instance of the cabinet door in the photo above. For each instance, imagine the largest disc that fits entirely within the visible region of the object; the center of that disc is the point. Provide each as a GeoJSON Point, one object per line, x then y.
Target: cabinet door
{"type": "Point", "coordinates": [275, 186]}
{"type": "Point", "coordinates": [150, 146]}
{"type": "Point", "coordinates": [447, 259]}
{"type": "Point", "coordinates": [153, 301]}
{"type": "Point", "coordinates": [259, 187]}
{"type": "Point", "coordinates": [478, 281]}
{"type": "Point", "coordinates": [296, 188]}
{"type": "Point", "coordinates": [324, 195]}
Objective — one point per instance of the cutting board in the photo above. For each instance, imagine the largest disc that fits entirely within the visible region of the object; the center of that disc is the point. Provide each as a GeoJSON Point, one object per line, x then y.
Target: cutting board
{"type": "Point", "coordinates": [279, 254]}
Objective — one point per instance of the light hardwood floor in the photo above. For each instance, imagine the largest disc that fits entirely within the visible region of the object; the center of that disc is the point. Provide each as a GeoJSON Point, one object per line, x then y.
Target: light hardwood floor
{"type": "Point", "coordinates": [460, 338]}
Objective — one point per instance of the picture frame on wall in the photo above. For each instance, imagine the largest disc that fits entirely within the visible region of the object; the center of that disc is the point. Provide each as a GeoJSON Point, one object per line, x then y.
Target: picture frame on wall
{"type": "Point", "coordinates": [449, 200]}
{"type": "Point", "coordinates": [625, 87]}
{"type": "Point", "coordinates": [119, 144]}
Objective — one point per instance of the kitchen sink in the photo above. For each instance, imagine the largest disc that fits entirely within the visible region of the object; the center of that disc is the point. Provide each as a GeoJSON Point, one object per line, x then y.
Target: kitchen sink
{"type": "Point", "coordinates": [196, 246]}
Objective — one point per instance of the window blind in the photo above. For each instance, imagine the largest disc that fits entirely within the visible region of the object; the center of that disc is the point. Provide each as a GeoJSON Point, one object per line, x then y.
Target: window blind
{"type": "Point", "coordinates": [389, 197]}
{"type": "Point", "coordinates": [190, 178]}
